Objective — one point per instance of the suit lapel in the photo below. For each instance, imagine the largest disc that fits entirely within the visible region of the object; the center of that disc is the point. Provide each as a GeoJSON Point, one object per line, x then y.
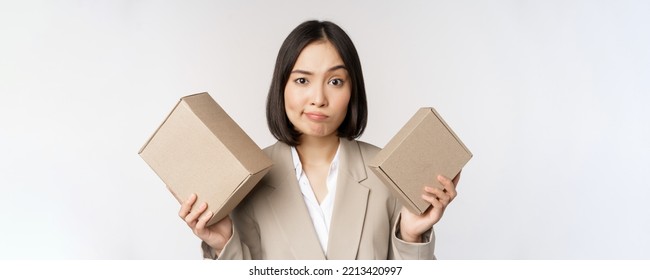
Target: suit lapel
{"type": "Point", "coordinates": [349, 205]}
{"type": "Point", "coordinates": [292, 214]}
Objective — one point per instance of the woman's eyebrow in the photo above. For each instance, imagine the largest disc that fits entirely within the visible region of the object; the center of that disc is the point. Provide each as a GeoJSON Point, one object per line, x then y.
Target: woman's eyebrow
{"type": "Point", "coordinates": [305, 72]}
{"type": "Point", "coordinates": [337, 67]}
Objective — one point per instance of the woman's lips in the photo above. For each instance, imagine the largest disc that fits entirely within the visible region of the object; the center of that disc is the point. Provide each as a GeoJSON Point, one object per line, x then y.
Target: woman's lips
{"type": "Point", "coordinates": [316, 116]}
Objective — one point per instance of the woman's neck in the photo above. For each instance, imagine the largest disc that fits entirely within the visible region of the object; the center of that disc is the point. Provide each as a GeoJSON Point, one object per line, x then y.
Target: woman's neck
{"type": "Point", "coordinates": [317, 150]}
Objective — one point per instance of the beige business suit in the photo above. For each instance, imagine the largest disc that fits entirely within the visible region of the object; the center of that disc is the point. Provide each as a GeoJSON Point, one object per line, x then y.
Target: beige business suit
{"type": "Point", "coordinates": [273, 221]}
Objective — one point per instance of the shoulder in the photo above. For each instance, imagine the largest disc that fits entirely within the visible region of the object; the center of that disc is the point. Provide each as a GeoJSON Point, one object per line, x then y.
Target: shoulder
{"type": "Point", "coordinates": [367, 147]}
{"type": "Point", "coordinates": [269, 149]}
{"type": "Point", "coordinates": [277, 149]}
{"type": "Point", "coordinates": [367, 150]}
{"type": "Point", "coordinates": [280, 154]}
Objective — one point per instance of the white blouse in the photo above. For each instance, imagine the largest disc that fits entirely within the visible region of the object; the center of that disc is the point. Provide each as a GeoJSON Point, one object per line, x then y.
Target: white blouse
{"type": "Point", "coordinates": [321, 215]}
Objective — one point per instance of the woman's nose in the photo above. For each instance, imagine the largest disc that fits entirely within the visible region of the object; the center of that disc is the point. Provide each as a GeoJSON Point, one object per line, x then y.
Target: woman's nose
{"type": "Point", "coordinates": [318, 98]}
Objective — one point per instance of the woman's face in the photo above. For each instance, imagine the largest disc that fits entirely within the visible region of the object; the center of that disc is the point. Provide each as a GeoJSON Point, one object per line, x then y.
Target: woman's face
{"type": "Point", "coordinates": [317, 93]}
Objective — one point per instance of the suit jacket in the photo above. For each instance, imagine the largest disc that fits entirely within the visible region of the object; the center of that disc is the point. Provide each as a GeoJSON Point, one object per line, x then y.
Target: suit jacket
{"type": "Point", "coordinates": [272, 222]}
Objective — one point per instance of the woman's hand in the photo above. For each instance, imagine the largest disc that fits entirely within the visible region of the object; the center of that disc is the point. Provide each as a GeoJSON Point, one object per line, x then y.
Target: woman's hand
{"type": "Point", "coordinates": [215, 235]}
{"type": "Point", "coordinates": [412, 226]}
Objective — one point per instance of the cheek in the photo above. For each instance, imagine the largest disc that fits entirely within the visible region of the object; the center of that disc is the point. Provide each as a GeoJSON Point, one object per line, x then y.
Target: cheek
{"type": "Point", "coordinates": [342, 102]}
{"type": "Point", "coordinates": [289, 101]}
{"type": "Point", "coordinates": [292, 104]}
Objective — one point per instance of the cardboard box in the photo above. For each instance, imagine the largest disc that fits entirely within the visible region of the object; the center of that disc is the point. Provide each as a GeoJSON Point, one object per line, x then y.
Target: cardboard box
{"type": "Point", "coordinates": [200, 149]}
{"type": "Point", "coordinates": [423, 149]}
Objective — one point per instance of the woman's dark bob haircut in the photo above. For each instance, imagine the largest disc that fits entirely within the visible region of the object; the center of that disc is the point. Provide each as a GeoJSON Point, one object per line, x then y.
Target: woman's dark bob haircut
{"type": "Point", "coordinates": [306, 33]}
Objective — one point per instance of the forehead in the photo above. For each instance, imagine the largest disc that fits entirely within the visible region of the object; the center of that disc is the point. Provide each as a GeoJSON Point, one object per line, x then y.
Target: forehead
{"type": "Point", "coordinates": [318, 55]}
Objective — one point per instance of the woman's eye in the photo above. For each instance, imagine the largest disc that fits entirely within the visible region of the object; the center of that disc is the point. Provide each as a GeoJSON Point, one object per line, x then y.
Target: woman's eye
{"type": "Point", "coordinates": [301, 81]}
{"type": "Point", "coordinates": [336, 82]}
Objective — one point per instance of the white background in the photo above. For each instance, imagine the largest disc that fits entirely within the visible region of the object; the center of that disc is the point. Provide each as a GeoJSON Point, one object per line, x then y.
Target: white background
{"type": "Point", "coordinates": [552, 98]}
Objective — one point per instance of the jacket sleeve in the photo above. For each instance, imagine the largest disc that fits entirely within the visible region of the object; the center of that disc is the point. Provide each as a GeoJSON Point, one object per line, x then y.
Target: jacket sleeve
{"type": "Point", "coordinates": [244, 243]}
{"type": "Point", "coordinates": [402, 250]}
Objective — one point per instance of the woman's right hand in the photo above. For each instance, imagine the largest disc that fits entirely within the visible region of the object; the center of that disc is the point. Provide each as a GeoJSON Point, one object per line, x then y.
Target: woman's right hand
{"type": "Point", "coordinates": [215, 235]}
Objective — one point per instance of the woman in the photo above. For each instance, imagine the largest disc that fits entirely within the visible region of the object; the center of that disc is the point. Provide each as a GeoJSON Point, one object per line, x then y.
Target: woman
{"type": "Point", "coordinates": [320, 200]}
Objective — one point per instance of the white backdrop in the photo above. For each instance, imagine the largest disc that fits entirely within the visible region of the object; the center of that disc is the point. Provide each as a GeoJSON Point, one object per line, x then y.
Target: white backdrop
{"type": "Point", "coordinates": [551, 97]}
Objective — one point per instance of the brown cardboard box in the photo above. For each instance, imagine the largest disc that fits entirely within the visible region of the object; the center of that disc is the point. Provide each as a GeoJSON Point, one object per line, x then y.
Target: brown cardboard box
{"type": "Point", "coordinates": [200, 149]}
{"type": "Point", "coordinates": [423, 149]}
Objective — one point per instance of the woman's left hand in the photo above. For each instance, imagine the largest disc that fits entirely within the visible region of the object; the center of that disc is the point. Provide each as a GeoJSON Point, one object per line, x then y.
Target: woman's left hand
{"type": "Point", "coordinates": [412, 226]}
